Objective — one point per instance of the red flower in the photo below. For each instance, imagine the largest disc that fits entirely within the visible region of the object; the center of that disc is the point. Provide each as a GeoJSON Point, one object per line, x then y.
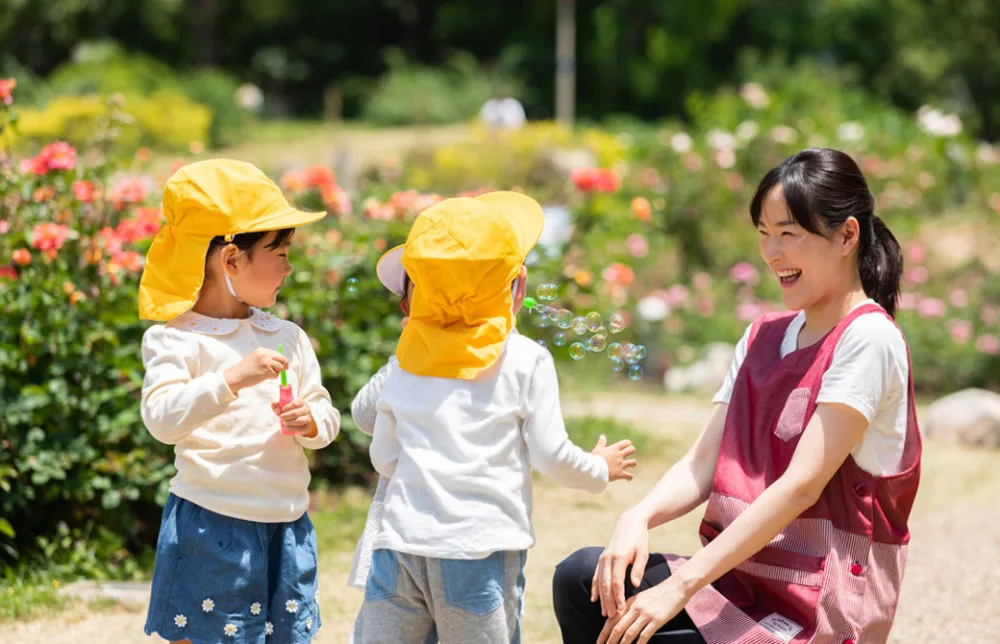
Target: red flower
{"type": "Point", "coordinates": [618, 273]}
{"type": "Point", "coordinates": [595, 180]}
{"type": "Point", "coordinates": [318, 176]}
{"type": "Point", "coordinates": [59, 155]}
{"type": "Point", "coordinates": [21, 256]}
{"type": "Point", "coordinates": [8, 273]}
{"type": "Point", "coordinates": [49, 237]}
{"type": "Point", "coordinates": [84, 191]}
{"type": "Point", "coordinates": [34, 165]}
{"type": "Point", "coordinates": [7, 86]}
{"type": "Point", "coordinates": [129, 260]}
{"type": "Point", "coordinates": [130, 190]}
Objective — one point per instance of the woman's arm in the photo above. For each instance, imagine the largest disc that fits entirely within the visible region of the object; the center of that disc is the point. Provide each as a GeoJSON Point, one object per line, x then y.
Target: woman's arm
{"type": "Point", "coordinates": [827, 441]}
{"type": "Point", "coordinates": [685, 486]}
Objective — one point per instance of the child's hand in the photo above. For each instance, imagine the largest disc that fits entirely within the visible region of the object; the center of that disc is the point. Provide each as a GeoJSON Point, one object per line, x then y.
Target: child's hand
{"type": "Point", "coordinates": [617, 456]}
{"type": "Point", "coordinates": [296, 416]}
{"type": "Point", "coordinates": [262, 364]}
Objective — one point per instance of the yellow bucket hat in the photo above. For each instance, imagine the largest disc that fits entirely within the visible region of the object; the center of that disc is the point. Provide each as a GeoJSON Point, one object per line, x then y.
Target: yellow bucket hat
{"type": "Point", "coordinates": [201, 201]}
{"type": "Point", "coordinates": [462, 256]}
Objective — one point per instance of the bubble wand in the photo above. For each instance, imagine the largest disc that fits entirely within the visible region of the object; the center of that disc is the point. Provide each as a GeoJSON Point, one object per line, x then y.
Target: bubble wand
{"type": "Point", "coordinates": [284, 393]}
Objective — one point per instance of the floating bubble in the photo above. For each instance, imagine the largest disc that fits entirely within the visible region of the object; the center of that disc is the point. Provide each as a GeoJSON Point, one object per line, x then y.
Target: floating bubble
{"type": "Point", "coordinates": [529, 303]}
{"type": "Point", "coordinates": [635, 373]}
{"type": "Point", "coordinates": [544, 323]}
{"type": "Point", "coordinates": [547, 292]}
{"type": "Point", "coordinates": [542, 310]}
{"type": "Point", "coordinates": [593, 320]}
{"type": "Point", "coordinates": [597, 343]}
{"type": "Point", "coordinates": [617, 364]}
{"type": "Point", "coordinates": [353, 285]}
{"type": "Point", "coordinates": [540, 342]}
{"type": "Point", "coordinates": [601, 330]}
{"type": "Point", "coordinates": [579, 326]}
{"type": "Point", "coordinates": [564, 318]}
{"type": "Point", "coordinates": [559, 340]}
{"type": "Point", "coordinates": [640, 351]}
{"type": "Point", "coordinates": [616, 351]}
{"type": "Point", "coordinates": [632, 354]}
{"type": "Point", "coordinates": [577, 351]}
{"type": "Point", "coordinates": [617, 323]}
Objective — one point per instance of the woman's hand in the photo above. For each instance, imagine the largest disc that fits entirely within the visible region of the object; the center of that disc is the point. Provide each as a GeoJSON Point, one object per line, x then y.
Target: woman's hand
{"type": "Point", "coordinates": [629, 544]}
{"type": "Point", "coordinates": [645, 613]}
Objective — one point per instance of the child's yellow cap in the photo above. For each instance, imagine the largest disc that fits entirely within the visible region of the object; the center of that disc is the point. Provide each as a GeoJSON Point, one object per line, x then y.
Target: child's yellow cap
{"type": "Point", "coordinates": [201, 201]}
{"type": "Point", "coordinates": [462, 256]}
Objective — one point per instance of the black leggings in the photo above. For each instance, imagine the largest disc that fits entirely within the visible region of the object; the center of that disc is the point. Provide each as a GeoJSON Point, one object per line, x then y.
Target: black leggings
{"type": "Point", "coordinates": [580, 620]}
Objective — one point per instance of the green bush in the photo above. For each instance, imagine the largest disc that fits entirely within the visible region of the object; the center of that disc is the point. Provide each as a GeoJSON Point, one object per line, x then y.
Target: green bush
{"type": "Point", "coordinates": [413, 94]}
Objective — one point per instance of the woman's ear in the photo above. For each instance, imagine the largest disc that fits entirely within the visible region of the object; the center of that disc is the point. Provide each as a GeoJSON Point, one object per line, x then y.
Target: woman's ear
{"type": "Point", "coordinates": [851, 231]}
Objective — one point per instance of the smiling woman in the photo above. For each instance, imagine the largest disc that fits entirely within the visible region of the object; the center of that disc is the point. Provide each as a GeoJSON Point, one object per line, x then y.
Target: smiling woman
{"type": "Point", "coordinates": [809, 464]}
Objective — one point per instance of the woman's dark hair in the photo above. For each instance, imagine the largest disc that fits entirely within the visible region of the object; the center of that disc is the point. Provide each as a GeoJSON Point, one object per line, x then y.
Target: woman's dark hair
{"type": "Point", "coordinates": [246, 241]}
{"type": "Point", "coordinates": [823, 188]}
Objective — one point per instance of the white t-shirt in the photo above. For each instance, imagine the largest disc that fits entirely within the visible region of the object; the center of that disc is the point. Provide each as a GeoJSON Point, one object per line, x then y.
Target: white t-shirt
{"type": "Point", "coordinates": [459, 455]}
{"type": "Point", "coordinates": [869, 372]}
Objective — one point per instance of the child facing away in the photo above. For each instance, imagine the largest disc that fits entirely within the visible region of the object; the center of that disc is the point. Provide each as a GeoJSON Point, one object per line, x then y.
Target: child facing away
{"type": "Point", "coordinates": [464, 412]}
{"type": "Point", "coordinates": [236, 554]}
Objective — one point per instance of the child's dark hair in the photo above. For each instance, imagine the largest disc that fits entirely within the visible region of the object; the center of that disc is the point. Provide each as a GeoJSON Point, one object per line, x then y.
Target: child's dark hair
{"type": "Point", "coordinates": [823, 188]}
{"type": "Point", "coordinates": [246, 241]}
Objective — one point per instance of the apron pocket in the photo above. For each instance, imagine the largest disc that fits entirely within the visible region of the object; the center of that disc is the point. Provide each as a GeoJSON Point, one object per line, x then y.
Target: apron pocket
{"type": "Point", "coordinates": [791, 422]}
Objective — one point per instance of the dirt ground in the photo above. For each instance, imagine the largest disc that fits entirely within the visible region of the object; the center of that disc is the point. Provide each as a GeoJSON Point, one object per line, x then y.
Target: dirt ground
{"type": "Point", "coordinates": [952, 570]}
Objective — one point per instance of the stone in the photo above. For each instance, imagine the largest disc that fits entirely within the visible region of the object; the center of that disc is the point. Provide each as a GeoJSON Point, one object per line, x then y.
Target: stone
{"type": "Point", "coordinates": [967, 417]}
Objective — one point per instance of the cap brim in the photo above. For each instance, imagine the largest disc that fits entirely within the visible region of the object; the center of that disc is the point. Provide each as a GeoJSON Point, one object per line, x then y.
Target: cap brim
{"type": "Point", "coordinates": [390, 270]}
{"type": "Point", "coordinates": [524, 212]}
{"type": "Point", "coordinates": [286, 218]}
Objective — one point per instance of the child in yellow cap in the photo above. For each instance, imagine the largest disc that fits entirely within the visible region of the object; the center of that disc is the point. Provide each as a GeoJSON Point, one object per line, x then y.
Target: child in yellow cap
{"type": "Point", "coordinates": [236, 555]}
{"type": "Point", "coordinates": [463, 415]}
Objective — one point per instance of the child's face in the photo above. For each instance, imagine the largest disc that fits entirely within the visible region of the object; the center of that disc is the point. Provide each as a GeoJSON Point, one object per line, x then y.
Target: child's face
{"type": "Point", "coordinates": [259, 275]}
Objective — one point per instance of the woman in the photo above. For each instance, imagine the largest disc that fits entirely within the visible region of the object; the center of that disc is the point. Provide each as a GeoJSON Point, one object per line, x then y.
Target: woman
{"type": "Point", "coordinates": [809, 462]}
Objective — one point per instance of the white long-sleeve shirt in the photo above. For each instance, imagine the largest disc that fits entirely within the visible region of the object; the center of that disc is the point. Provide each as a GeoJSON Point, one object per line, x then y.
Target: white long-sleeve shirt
{"type": "Point", "coordinates": [459, 455]}
{"type": "Point", "coordinates": [230, 455]}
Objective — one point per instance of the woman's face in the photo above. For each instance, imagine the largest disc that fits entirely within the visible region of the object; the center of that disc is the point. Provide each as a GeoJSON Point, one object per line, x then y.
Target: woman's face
{"type": "Point", "coordinates": [811, 268]}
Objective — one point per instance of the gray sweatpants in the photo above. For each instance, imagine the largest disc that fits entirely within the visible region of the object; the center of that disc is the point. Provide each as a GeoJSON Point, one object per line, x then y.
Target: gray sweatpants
{"type": "Point", "coordinates": [420, 600]}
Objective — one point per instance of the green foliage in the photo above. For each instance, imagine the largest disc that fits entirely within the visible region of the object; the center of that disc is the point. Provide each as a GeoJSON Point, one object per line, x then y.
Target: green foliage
{"type": "Point", "coordinates": [410, 93]}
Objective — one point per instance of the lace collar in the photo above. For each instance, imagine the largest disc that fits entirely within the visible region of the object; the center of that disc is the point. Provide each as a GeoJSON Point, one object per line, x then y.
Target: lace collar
{"type": "Point", "coordinates": [192, 321]}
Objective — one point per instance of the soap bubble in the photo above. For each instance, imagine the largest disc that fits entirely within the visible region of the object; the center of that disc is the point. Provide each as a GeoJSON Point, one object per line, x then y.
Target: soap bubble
{"type": "Point", "coordinates": [577, 351]}
{"type": "Point", "coordinates": [617, 364]}
{"type": "Point", "coordinates": [559, 340]}
{"type": "Point", "coordinates": [353, 285]}
{"type": "Point", "coordinates": [593, 320]}
{"type": "Point", "coordinates": [579, 325]}
{"type": "Point", "coordinates": [640, 351]}
{"type": "Point", "coordinates": [547, 292]}
{"type": "Point", "coordinates": [564, 318]}
{"type": "Point", "coordinates": [632, 354]}
{"type": "Point", "coordinates": [617, 323]}
{"type": "Point", "coordinates": [540, 342]}
{"type": "Point", "coordinates": [544, 323]}
{"type": "Point", "coordinates": [615, 351]}
{"type": "Point", "coordinates": [597, 343]}
{"type": "Point", "coordinates": [635, 373]}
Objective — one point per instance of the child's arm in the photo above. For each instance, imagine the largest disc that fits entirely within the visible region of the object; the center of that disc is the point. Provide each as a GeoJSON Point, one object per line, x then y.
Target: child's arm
{"type": "Point", "coordinates": [384, 450]}
{"type": "Point", "coordinates": [550, 450]}
{"type": "Point", "coordinates": [173, 402]}
{"type": "Point", "coordinates": [311, 390]}
{"type": "Point", "coordinates": [363, 406]}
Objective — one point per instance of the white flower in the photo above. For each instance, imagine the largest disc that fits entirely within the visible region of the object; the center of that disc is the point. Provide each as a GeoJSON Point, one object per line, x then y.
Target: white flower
{"type": "Point", "coordinates": [255, 608]}
{"type": "Point", "coordinates": [249, 97]}
{"type": "Point", "coordinates": [725, 158]}
{"type": "Point", "coordinates": [681, 142]}
{"type": "Point", "coordinates": [747, 130]}
{"type": "Point", "coordinates": [850, 131]}
{"type": "Point", "coordinates": [292, 606]}
{"type": "Point", "coordinates": [208, 605]}
{"type": "Point", "coordinates": [230, 629]}
{"type": "Point", "coordinates": [309, 624]}
{"type": "Point", "coordinates": [721, 140]}
{"type": "Point", "coordinates": [755, 96]}
{"type": "Point", "coordinates": [988, 153]}
{"type": "Point", "coordinates": [180, 621]}
{"type": "Point", "coordinates": [269, 628]}
{"type": "Point", "coordinates": [784, 134]}
{"type": "Point", "coordinates": [937, 123]}
{"type": "Point", "coordinates": [653, 308]}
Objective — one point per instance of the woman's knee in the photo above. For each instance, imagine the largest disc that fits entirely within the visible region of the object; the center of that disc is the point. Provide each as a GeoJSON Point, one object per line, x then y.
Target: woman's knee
{"type": "Point", "coordinates": [576, 571]}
